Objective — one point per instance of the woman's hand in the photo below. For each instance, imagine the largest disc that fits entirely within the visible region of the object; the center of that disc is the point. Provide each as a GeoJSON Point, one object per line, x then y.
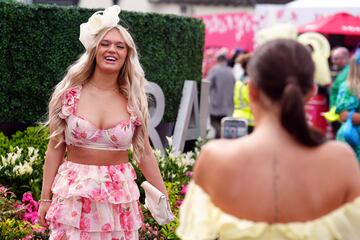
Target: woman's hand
{"type": "Point", "coordinates": [343, 116]}
{"type": "Point", "coordinates": [355, 118]}
{"type": "Point", "coordinates": [43, 208]}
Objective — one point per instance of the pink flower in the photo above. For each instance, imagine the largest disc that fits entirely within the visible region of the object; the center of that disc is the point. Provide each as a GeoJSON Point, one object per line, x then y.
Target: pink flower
{"type": "Point", "coordinates": [84, 223]}
{"type": "Point", "coordinates": [69, 102]}
{"type": "Point", "coordinates": [97, 194]}
{"type": "Point", "coordinates": [137, 122]}
{"type": "Point", "coordinates": [122, 168]}
{"type": "Point", "coordinates": [106, 227]}
{"type": "Point", "coordinates": [96, 217]}
{"type": "Point", "coordinates": [96, 137]}
{"type": "Point", "coordinates": [58, 235]}
{"type": "Point", "coordinates": [86, 205]}
{"type": "Point", "coordinates": [71, 176]}
{"type": "Point", "coordinates": [32, 206]}
{"type": "Point", "coordinates": [54, 213]}
{"type": "Point", "coordinates": [113, 174]}
{"type": "Point", "coordinates": [183, 189]}
{"type": "Point", "coordinates": [71, 97]}
{"type": "Point", "coordinates": [178, 203]}
{"type": "Point", "coordinates": [84, 236]}
{"type": "Point", "coordinates": [189, 173]}
{"type": "Point", "coordinates": [126, 220]}
{"type": "Point", "coordinates": [124, 124]}
{"type": "Point", "coordinates": [113, 138]}
{"type": "Point", "coordinates": [78, 134]}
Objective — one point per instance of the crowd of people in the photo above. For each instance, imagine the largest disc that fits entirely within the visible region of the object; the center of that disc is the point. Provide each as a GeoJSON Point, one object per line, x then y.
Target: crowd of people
{"type": "Point", "coordinates": [228, 80]}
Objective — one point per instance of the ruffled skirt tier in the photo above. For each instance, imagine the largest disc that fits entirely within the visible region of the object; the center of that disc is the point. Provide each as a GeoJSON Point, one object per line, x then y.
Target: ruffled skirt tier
{"type": "Point", "coordinates": [95, 203]}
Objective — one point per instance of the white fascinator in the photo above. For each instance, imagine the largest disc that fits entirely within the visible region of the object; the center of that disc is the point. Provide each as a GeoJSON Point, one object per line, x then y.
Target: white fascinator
{"type": "Point", "coordinates": [98, 21]}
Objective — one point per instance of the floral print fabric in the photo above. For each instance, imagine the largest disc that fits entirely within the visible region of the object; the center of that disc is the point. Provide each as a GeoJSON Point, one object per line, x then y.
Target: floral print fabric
{"type": "Point", "coordinates": [81, 132]}
{"type": "Point", "coordinates": [346, 101]}
{"type": "Point", "coordinates": [95, 202]}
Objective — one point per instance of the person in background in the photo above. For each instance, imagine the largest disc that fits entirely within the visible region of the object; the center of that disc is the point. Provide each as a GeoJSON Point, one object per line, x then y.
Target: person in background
{"type": "Point", "coordinates": [348, 100]}
{"type": "Point", "coordinates": [96, 113]}
{"type": "Point", "coordinates": [222, 82]}
{"type": "Point", "coordinates": [340, 57]}
{"type": "Point", "coordinates": [232, 60]}
{"type": "Point", "coordinates": [274, 183]}
{"type": "Point", "coordinates": [241, 94]}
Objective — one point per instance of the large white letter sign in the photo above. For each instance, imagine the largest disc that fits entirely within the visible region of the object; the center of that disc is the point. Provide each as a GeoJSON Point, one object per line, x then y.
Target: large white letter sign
{"type": "Point", "coordinates": [187, 122]}
{"type": "Point", "coordinates": [156, 111]}
{"type": "Point", "coordinates": [204, 107]}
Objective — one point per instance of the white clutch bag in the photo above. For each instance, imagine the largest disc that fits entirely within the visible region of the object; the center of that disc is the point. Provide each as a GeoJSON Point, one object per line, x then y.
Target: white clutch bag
{"type": "Point", "coordinates": [157, 203]}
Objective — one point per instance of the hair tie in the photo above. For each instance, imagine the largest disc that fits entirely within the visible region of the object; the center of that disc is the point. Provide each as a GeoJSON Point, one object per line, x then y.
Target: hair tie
{"type": "Point", "coordinates": [98, 21]}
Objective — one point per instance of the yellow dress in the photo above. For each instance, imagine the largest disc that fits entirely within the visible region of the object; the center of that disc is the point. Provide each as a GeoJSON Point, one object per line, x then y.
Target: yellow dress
{"type": "Point", "coordinates": [200, 219]}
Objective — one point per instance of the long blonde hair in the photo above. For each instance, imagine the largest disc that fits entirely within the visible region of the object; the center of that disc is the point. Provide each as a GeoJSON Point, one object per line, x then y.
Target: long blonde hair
{"type": "Point", "coordinates": [131, 81]}
{"type": "Point", "coordinates": [353, 79]}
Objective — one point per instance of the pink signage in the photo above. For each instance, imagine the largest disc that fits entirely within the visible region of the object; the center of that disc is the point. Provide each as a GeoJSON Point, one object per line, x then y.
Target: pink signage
{"type": "Point", "coordinates": [230, 30]}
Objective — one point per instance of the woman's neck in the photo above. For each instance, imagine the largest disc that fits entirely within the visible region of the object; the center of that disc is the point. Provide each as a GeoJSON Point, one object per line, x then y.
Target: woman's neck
{"type": "Point", "coordinates": [104, 81]}
{"type": "Point", "coordinates": [269, 128]}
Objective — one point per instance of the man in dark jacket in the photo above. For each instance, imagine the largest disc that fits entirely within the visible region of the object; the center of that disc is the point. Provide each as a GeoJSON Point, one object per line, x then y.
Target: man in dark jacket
{"type": "Point", "coordinates": [222, 82]}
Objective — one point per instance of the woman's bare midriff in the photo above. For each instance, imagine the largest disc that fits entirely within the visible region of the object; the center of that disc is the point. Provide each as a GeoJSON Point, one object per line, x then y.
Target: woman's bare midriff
{"type": "Point", "coordinates": [97, 157]}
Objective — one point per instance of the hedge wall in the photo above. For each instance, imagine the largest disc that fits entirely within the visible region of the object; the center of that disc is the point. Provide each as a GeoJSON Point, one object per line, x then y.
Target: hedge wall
{"type": "Point", "coordinates": [39, 42]}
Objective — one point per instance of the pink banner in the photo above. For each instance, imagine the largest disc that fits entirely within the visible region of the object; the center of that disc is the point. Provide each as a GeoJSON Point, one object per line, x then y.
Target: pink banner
{"type": "Point", "coordinates": [230, 30]}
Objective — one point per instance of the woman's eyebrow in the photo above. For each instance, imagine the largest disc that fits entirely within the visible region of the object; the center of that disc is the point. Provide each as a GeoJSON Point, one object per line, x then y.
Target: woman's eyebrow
{"type": "Point", "coordinates": [108, 41]}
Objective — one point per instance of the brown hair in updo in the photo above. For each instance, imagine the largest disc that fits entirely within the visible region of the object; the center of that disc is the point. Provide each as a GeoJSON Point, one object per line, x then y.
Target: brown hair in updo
{"type": "Point", "coordinates": [284, 71]}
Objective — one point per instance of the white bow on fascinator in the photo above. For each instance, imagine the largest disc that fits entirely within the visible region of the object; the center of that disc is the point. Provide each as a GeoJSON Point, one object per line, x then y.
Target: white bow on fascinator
{"type": "Point", "coordinates": [97, 22]}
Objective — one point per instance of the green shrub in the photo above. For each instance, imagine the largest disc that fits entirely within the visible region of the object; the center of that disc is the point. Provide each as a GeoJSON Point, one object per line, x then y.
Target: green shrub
{"type": "Point", "coordinates": [39, 42]}
{"type": "Point", "coordinates": [20, 169]}
{"type": "Point", "coordinates": [11, 229]}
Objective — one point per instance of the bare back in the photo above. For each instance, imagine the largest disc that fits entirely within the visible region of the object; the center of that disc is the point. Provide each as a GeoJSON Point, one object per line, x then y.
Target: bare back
{"type": "Point", "coordinates": [274, 179]}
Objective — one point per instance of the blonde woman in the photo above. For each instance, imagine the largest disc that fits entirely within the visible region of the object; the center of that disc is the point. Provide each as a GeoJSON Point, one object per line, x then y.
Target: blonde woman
{"type": "Point", "coordinates": [96, 113]}
{"type": "Point", "coordinates": [348, 100]}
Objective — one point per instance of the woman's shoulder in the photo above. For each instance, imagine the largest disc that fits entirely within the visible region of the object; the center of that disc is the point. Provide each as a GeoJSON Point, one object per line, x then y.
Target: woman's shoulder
{"type": "Point", "coordinates": [341, 160]}
{"type": "Point", "coordinates": [217, 157]}
{"type": "Point", "coordinates": [221, 150]}
{"type": "Point", "coordinates": [336, 150]}
{"type": "Point", "coordinates": [69, 101]}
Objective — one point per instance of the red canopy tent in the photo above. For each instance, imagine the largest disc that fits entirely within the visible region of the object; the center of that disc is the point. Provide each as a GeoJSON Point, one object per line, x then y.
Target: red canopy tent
{"type": "Point", "coordinates": [340, 23]}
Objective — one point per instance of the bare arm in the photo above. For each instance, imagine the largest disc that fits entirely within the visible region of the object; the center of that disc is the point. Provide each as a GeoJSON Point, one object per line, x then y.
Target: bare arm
{"type": "Point", "coordinates": [149, 167]}
{"type": "Point", "coordinates": [53, 158]}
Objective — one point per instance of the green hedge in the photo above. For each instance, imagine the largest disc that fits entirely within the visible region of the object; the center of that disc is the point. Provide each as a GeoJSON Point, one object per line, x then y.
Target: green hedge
{"type": "Point", "coordinates": [39, 42]}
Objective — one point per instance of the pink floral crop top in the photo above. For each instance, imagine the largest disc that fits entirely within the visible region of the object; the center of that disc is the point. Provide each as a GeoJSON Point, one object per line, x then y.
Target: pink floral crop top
{"type": "Point", "coordinates": [81, 132]}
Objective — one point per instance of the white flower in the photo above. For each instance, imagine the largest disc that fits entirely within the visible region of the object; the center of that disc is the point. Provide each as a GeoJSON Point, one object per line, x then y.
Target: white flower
{"type": "Point", "coordinates": [97, 22]}
{"type": "Point", "coordinates": [30, 150]}
{"type": "Point", "coordinates": [188, 160]}
{"type": "Point", "coordinates": [170, 140]}
{"type": "Point", "coordinates": [157, 153]}
{"type": "Point", "coordinates": [22, 169]}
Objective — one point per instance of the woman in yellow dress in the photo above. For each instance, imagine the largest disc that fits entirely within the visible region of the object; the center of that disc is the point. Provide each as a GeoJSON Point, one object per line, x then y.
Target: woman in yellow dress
{"type": "Point", "coordinates": [283, 181]}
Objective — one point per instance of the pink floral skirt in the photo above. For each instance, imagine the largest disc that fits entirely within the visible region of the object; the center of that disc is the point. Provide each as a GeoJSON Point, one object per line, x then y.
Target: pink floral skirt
{"type": "Point", "coordinates": [95, 203]}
